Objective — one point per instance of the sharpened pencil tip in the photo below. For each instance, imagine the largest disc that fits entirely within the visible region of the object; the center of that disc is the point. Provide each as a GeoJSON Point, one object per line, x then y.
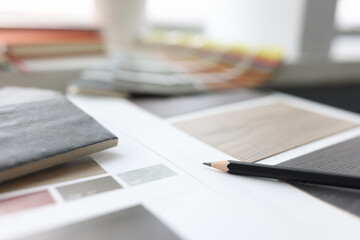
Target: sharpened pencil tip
{"type": "Point", "coordinates": [207, 164]}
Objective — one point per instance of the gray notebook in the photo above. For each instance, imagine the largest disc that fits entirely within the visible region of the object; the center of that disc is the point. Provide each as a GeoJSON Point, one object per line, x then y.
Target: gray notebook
{"type": "Point", "coordinates": [41, 128]}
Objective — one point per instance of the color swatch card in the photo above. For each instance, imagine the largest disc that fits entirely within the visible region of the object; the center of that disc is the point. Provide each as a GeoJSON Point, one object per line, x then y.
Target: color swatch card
{"type": "Point", "coordinates": [40, 129]}
{"type": "Point", "coordinates": [24, 202]}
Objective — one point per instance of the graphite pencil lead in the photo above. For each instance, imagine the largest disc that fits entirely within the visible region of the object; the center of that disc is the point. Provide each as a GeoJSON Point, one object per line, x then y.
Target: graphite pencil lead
{"type": "Point", "coordinates": [207, 164]}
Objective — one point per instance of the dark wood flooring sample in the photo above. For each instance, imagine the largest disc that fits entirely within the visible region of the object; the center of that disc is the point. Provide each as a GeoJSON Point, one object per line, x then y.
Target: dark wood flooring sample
{"type": "Point", "coordinates": [43, 133]}
{"type": "Point", "coordinates": [172, 106]}
{"type": "Point", "coordinates": [341, 158]}
{"type": "Point", "coordinates": [256, 133]}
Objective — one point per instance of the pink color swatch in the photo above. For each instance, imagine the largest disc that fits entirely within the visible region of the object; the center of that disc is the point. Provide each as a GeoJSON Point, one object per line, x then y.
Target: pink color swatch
{"type": "Point", "coordinates": [23, 202]}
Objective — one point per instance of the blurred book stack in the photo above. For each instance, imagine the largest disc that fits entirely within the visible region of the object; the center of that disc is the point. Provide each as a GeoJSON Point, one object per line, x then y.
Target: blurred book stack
{"type": "Point", "coordinates": [3, 60]}
{"type": "Point", "coordinates": [43, 43]}
{"type": "Point", "coordinates": [176, 64]}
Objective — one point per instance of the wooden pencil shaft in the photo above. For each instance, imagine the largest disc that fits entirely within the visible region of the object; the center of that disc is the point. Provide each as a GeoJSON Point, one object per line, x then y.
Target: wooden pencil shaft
{"type": "Point", "coordinates": [293, 174]}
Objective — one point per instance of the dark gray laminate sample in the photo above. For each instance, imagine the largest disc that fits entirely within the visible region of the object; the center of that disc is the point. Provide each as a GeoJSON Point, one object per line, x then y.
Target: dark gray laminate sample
{"type": "Point", "coordinates": [340, 158]}
{"type": "Point", "coordinates": [43, 133]}
{"type": "Point", "coordinates": [172, 106]}
{"type": "Point", "coordinates": [131, 224]}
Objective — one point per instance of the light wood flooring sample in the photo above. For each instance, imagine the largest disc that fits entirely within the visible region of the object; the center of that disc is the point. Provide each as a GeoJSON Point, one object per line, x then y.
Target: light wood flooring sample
{"type": "Point", "coordinates": [75, 169]}
{"type": "Point", "coordinates": [256, 133]}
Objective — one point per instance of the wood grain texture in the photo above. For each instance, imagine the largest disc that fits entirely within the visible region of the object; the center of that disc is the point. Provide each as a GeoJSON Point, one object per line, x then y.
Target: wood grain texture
{"type": "Point", "coordinates": [75, 169]}
{"type": "Point", "coordinates": [340, 158]}
{"type": "Point", "coordinates": [260, 132]}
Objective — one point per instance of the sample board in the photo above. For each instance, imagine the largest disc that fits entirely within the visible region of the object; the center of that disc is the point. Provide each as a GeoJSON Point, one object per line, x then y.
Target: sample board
{"type": "Point", "coordinates": [37, 134]}
{"type": "Point", "coordinates": [155, 179]}
{"type": "Point", "coordinates": [256, 133]}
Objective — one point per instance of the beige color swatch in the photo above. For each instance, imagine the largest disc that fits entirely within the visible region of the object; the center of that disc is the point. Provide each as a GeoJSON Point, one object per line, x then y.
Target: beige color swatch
{"type": "Point", "coordinates": [75, 169]}
{"type": "Point", "coordinates": [256, 133]}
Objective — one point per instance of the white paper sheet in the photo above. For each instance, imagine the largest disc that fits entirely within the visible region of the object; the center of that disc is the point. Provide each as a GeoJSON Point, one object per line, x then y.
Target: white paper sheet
{"type": "Point", "coordinates": [198, 202]}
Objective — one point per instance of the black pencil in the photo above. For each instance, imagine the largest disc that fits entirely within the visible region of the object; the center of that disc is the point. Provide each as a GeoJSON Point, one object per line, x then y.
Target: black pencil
{"type": "Point", "coordinates": [286, 174]}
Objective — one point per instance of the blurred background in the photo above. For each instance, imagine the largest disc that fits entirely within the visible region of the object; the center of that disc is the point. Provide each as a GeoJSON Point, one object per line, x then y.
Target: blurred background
{"type": "Point", "coordinates": [319, 39]}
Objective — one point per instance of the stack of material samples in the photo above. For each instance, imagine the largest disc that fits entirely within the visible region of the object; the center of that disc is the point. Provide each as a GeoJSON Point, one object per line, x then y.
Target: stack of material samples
{"type": "Point", "coordinates": [161, 67]}
{"type": "Point", "coordinates": [41, 128]}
